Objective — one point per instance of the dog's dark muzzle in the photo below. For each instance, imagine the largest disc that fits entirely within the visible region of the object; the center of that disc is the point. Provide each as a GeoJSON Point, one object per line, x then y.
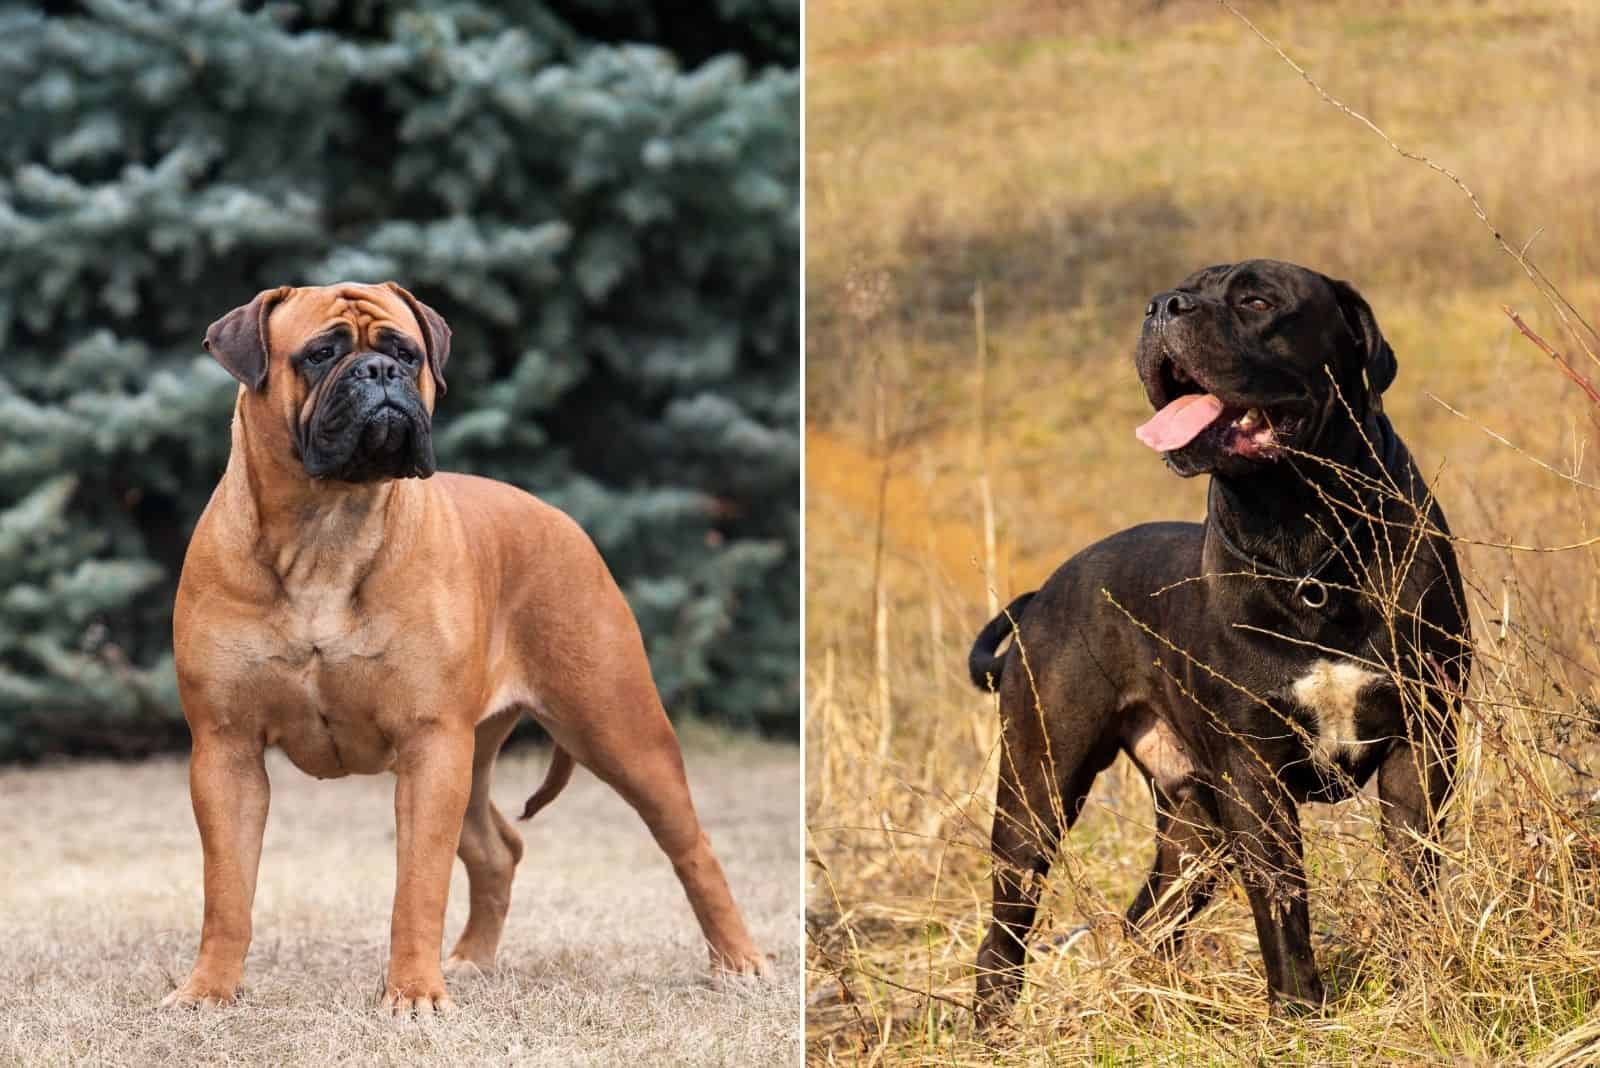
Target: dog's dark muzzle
{"type": "Point", "coordinates": [1214, 406]}
{"type": "Point", "coordinates": [1166, 307]}
{"type": "Point", "coordinates": [370, 424]}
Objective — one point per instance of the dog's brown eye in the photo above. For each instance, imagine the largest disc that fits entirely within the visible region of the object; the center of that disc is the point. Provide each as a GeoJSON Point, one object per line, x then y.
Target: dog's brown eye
{"type": "Point", "coordinates": [320, 355]}
{"type": "Point", "coordinates": [1255, 304]}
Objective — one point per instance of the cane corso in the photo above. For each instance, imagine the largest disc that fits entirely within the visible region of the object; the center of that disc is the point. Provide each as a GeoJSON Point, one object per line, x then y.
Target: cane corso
{"type": "Point", "coordinates": [1309, 633]}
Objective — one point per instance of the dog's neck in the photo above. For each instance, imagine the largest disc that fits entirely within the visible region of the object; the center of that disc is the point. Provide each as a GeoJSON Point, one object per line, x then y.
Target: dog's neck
{"type": "Point", "coordinates": [307, 532]}
{"type": "Point", "coordinates": [1290, 514]}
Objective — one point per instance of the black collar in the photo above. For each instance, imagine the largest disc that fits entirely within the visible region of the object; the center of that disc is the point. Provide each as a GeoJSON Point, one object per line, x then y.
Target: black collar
{"type": "Point", "coordinates": [1308, 588]}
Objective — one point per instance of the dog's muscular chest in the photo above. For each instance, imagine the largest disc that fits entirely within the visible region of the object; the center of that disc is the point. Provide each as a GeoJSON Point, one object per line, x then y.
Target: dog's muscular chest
{"type": "Point", "coordinates": [319, 654]}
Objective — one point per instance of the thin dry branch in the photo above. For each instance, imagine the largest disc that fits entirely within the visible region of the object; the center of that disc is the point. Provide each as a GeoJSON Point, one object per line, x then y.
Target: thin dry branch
{"type": "Point", "coordinates": [1551, 351]}
{"type": "Point", "coordinates": [1570, 316]}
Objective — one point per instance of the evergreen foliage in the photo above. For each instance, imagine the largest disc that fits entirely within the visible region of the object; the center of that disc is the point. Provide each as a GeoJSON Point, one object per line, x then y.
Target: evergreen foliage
{"type": "Point", "coordinates": [612, 233]}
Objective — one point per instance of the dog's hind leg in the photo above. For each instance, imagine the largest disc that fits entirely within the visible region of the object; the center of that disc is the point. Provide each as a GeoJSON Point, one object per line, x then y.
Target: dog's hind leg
{"type": "Point", "coordinates": [1026, 833]}
{"type": "Point", "coordinates": [599, 703]}
{"type": "Point", "coordinates": [1181, 881]}
{"type": "Point", "coordinates": [1180, 884]}
{"type": "Point", "coordinates": [490, 848]}
{"type": "Point", "coordinates": [623, 735]}
{"type": "Point", "coordinates": [1184, 876]}
{"type": "Point", "coordinates": [1040, 795]}
{"type": "Point", "coordinates": [646, 768]}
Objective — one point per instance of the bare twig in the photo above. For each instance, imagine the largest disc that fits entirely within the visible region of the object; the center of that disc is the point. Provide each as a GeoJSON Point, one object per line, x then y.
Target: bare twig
{"type": "Point", "coordinates": [1550, 351]}
{"type": "Point", "coordinates": [1570, 317]}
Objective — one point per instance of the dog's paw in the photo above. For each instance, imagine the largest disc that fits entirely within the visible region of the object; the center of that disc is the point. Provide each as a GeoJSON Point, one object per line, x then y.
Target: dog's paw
{"type": "Point", "coordinates": [993, 1019]}
{"type": "Point", "coordinates": [1285, 1007]}
{"type": "Point", "coordinates": [421, 998]}
{"type": "Point", "coordinates": [1064, 941]}
{"type": "Point", "coordinates": [460, 967]}
{"type": "Point", "coordinates": [748, 963]}
{"type": "Point", "coordinates": [197, 992]}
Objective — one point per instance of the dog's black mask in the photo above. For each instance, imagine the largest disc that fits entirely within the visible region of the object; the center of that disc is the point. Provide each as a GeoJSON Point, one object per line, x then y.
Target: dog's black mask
{"type": "Point", "coordinates": [1246, 363]}
{"type": "Point", "coordinates": [364, 418]}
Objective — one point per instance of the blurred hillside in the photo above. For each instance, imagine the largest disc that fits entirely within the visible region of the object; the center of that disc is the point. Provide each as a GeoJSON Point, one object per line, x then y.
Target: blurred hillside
{"type": "Point", "coordinates": [1074, 158]}
{"type": "Point", "coordinates": [601, 200]}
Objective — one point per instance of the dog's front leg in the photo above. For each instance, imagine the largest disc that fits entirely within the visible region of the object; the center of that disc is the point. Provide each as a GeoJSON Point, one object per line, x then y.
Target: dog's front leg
{"type": "Point", "coordinates": [434, 779]}
{"type": "Point", "coordinates": [1264, 834]}
{"type": "Point", "coordinates": [229, 789]}
{"type": "Point", "coordinates": [1413, 784]}
{"type": "Point", "coordinates": [1416, 777]}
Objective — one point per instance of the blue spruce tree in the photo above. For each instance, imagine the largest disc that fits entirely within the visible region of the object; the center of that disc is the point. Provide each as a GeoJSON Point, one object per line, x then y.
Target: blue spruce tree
{"type": "Point", "coordinates": [601, 198]}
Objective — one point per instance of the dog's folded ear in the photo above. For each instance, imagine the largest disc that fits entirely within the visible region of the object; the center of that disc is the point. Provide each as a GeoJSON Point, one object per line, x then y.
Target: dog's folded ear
{"type": "Point", "coordinates": [238, 340]}
{"type": "Point", "coordinates": [1378, 361]}
{"type": "Point", "coordinates": [435, 329]}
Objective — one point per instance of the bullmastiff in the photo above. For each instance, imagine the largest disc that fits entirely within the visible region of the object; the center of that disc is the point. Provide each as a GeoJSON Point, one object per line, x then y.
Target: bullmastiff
{"type": "Point", "coordinates": [343, 602]}
{"type": "Point", "coordinates": [1310, 633]}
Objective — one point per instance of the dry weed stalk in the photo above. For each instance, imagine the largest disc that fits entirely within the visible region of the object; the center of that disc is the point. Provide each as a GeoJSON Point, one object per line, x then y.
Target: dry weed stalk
{"type": "Point", "coordinates": [1580, 329]}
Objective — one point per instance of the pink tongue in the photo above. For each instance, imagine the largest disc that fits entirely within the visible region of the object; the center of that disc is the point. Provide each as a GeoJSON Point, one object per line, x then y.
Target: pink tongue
{"type": "Point", "coordinates": [1180, 422]}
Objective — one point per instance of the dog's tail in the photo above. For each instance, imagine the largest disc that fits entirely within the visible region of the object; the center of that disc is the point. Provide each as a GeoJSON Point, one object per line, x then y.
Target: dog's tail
{"type": "Point", "coordinates": [983, 665]}
{"type": "Point", "coordinates": [555, 780]}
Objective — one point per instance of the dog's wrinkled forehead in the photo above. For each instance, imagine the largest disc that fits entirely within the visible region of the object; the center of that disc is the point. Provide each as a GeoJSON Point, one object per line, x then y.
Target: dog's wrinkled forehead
{"type": "Point", "coordinates": [1289, 282]}
{"type": "Point", "coordinates": [365, 311]}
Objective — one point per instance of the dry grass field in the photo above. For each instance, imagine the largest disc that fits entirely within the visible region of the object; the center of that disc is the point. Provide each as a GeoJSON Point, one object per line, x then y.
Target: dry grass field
{"type": "Point", "coordinates": [601, 963]}
{"type": "Point", "coordinates": [1073, 158]}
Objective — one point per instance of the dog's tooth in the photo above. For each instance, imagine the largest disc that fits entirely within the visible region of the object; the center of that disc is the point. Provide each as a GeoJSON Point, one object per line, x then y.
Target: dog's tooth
{"type": "Point", "coordinates": [1250, 419]}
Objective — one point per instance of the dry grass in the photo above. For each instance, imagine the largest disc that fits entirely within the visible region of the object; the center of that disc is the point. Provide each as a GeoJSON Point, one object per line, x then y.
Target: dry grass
{"type": "Point", "coordinates": [601, 962]}
{"type": "Point", "coordinates": [1074, 158]}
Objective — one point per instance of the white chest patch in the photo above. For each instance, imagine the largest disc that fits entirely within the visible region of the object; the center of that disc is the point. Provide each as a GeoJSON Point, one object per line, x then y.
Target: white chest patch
{"type": "Point", "coordinates": [1332, 691]}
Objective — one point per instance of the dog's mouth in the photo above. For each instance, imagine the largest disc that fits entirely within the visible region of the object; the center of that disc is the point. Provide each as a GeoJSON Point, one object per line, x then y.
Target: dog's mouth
{"type": "Point", "coordinates": [388, 431]}
{"type": "Point", "coordinates": [1188, 413]}
{"type": "Point", "coordinates": [354, 437]}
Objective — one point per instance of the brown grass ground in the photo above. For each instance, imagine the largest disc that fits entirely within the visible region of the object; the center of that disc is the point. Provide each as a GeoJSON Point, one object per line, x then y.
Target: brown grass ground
{"type": "Point", "coordinates": [601, 962]}
{"type": "Point", "coordinates": [1075, 157]}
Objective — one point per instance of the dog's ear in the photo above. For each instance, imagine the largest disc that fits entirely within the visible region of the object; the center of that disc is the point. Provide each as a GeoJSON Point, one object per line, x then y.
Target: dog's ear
{"type": "Point", "coordinates": [238, 340]}
{"type": "Point", "coordinates": [435, 330]}
{"type": "Point", "coordinates": [1378, 361]}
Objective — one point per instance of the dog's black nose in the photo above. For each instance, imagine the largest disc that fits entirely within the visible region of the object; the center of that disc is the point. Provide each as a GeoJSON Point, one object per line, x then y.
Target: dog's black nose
{"type": "Point", "coordinates": [379, 368]}
{"type": "Point", "coordinates": [1171, 304]}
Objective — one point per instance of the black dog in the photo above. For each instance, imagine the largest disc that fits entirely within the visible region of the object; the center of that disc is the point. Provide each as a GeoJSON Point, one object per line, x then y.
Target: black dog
{"type": "Point", "coordinates": [1310, 632]}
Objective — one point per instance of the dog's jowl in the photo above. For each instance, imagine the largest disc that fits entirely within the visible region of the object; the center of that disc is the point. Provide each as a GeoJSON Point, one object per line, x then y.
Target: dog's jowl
{"type": "Point", "coordinates": [342, 602]}
{"type": "Point", "coordinates": [1310, 633]}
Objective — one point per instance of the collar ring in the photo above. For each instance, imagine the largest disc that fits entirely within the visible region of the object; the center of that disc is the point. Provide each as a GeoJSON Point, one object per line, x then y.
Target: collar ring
{"type": "Point", "coordinates": [1313, 593]}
